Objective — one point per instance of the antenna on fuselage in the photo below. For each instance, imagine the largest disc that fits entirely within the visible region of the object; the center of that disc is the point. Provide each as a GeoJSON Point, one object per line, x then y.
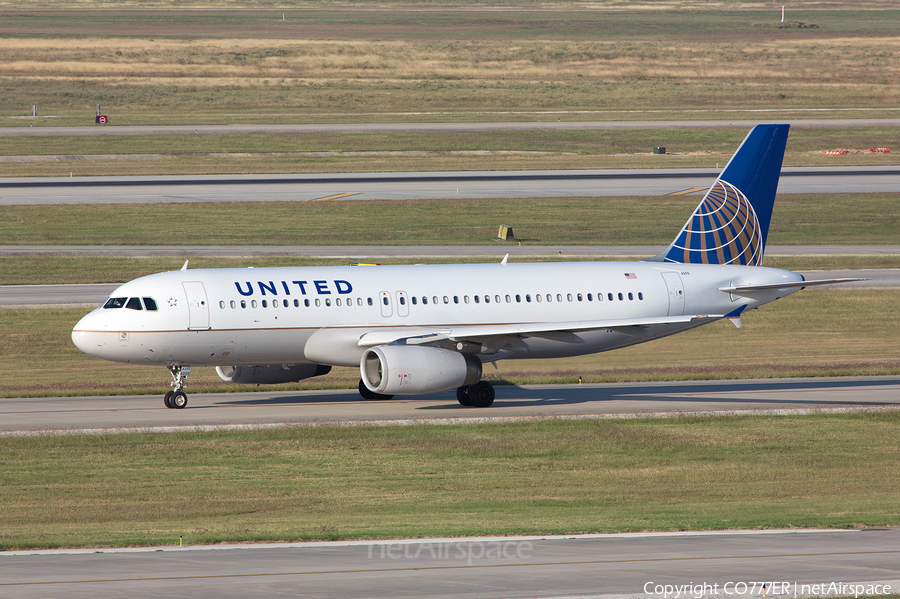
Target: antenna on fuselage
{"type": "Point", "coordinates": [185, 264]}
{"type": "Point", "coordinates": [505, 258]}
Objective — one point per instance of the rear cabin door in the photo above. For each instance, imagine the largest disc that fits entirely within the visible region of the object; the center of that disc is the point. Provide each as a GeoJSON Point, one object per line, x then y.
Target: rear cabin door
{"type": "Point", "coordinates": [676, 293]}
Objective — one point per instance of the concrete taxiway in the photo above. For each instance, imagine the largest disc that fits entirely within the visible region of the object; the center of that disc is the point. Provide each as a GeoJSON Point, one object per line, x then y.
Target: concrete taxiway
{"type": "Point", "coordinates": [417, 186]}
{"type": "Point", "coordinates": [346, 407]}
{"type": "Point", "coordinates": [408, 125]}
{"type": "Point", "coordinates": [725, 564]}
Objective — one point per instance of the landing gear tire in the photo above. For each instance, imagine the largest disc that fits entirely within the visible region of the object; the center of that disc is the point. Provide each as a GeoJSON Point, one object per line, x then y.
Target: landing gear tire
{"type": "Point", "coordinates": [176, 397]}
{"type": "Point", "coordinates": [178, 400]}
{"type": "Point", "coordinates": [481, 395]}
{"type": "Point", "coordinates": [462, 396]}
{"type": "Point", "coordinates": [368, 394]}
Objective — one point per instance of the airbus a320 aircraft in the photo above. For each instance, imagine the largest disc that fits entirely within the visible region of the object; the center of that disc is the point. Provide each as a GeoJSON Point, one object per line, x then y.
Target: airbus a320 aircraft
{"type": "Point", "coordinates": [430, 328]}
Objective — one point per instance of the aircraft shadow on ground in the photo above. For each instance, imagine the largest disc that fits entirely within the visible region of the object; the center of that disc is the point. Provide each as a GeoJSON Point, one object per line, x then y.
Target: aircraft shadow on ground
{"type": "Point", "coordinates": [511, 396]}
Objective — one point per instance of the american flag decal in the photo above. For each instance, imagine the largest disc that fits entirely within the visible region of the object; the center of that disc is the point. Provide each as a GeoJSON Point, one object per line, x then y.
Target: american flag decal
{"type": "Point", "coordinates": [630, 275]}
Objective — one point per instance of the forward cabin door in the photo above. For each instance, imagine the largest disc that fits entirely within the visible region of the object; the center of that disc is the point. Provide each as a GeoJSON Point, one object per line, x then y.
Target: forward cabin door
{"type": "Point", "coordinates": [198, 306]}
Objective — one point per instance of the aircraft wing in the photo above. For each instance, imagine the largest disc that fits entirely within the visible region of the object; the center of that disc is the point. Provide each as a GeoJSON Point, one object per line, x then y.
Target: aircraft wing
{"type": "Point", "coordinates": [507, 335]}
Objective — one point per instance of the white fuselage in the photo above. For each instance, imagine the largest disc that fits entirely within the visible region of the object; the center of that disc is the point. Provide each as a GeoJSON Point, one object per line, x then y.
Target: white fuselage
{"type": "Point", "coordinates": [296, 315]}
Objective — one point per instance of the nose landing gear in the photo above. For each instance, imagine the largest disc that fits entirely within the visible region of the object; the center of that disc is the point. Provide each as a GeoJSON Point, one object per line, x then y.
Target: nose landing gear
{"type": "Point", "coordinates": [177, 398]}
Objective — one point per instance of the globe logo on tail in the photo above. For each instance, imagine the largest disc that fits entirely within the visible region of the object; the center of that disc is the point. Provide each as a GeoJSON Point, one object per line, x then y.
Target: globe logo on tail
{"type": "Point", "coordinates": [724, 229]}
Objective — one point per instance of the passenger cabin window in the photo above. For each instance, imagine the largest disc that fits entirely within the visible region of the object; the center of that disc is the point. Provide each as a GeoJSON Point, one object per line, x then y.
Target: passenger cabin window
{"type": "Point", "coordinates": [115, 302]}
{"type": "Point", "coordinates": [134, 304]}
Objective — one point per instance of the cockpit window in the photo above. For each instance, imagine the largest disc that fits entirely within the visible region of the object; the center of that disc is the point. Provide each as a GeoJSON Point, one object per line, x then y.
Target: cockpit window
{"type": "Point", "coordinates": [134, 304]}
{"type": "Point", "coordinates": [150, 303]}
{"type": "Point", "coordinates": [115, 302]}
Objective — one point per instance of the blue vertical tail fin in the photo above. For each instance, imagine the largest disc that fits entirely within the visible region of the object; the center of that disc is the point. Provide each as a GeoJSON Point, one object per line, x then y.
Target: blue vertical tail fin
{"type": "Point", "coordinates": [731, 224]}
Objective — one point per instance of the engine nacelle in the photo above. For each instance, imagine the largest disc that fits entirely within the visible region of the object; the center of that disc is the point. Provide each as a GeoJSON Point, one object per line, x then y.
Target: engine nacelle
{"type": "Point", "coordinates": [411, 369]}
{"type": "Point", "coordinates": [271, 374]}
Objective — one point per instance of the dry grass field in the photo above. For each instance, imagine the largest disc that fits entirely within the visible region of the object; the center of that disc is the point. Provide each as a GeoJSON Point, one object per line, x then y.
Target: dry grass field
{"type": "Point", "coordinates": [751, 58]}
{"type": "Point", "coordinates": [223, 62]}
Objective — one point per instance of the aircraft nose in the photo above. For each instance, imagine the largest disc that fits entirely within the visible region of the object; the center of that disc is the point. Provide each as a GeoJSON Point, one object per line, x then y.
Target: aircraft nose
{"type": "Point", "coordinates": [88, 335]}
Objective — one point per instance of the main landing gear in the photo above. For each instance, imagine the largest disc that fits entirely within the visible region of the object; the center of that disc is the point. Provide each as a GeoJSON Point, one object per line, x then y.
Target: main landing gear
{"type": "Point", "coordinates": [479, 395]}
{"type": "Point", "coordinates": [177, 398]}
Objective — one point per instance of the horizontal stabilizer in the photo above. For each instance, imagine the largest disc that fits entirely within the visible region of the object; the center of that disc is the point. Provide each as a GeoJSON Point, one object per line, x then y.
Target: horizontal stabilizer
{"type": "Point", "coordinates": [785, 285]}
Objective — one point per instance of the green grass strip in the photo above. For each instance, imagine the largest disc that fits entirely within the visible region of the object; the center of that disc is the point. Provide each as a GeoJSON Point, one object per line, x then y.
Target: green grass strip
{"type": "Point", "coordinates": [548, 477]}
{"type": "Point", "coordinates": [799, 219]}
{"type": "Point", "coordinates": [321, 152]}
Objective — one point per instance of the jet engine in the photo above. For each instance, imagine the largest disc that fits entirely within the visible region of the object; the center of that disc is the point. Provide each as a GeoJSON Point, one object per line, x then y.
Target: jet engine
{"type": "Point", "coordinates": [270, 374]}
{"type": "Point", "coordinates": [412, 369]}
